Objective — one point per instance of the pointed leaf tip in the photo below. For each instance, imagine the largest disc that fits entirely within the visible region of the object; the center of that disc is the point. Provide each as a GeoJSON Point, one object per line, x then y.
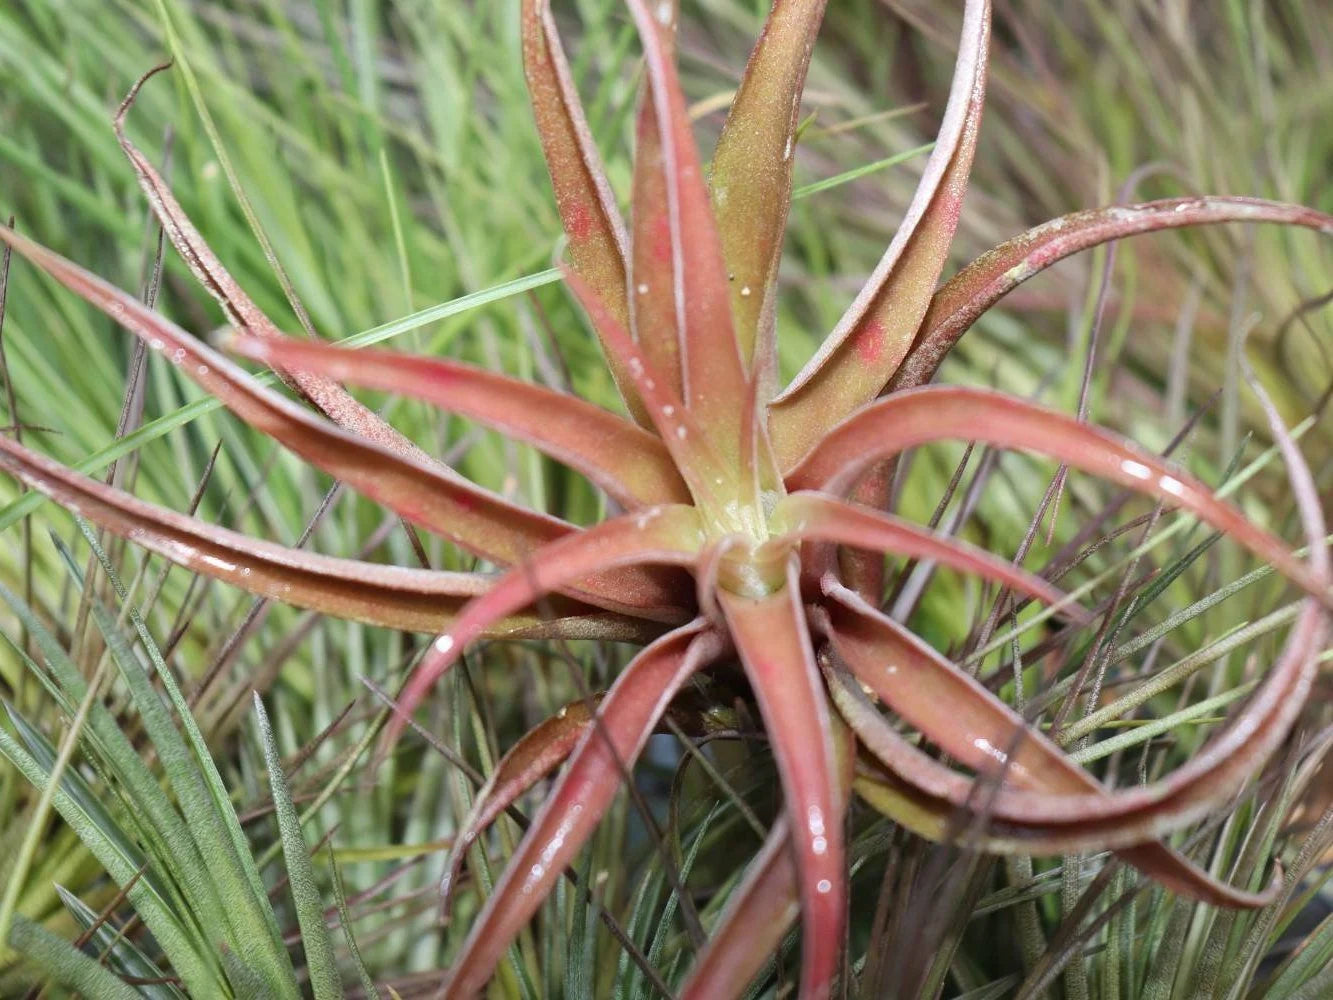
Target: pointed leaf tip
{"type": "Point", "coordinates": [752, 170]}
{"type": "Point", "coordinates": [713, 375]}
{"type": "Point", "coordinates": [583, 195]}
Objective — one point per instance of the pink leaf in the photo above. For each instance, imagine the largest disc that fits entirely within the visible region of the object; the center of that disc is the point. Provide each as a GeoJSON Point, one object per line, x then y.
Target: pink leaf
{"type": "Point", "coordinates": [431, 496]}
{"type": "Point", "coordinates": [541, 750]}
{"type": "Point", "coordinates": [873, 336]}
{"type": "Point", "coordinates": [935, 413]}
{"type": "Point", "coordinates": [652, 297]}
{"type": "Point", "coordinates": [773, 640]}
{"type": "Point", "coordinates": [819, 517]}
{"type": "Point", "coordinates": [1068, 809]}
{"type": "Point", "coordinates": [629, 463]}
{"type": "Point", "coordinates": [713, 374]}
{"type": "Point", "coordinates": [625, 719]}
{"type": "Point", "coordinates": [668, 535]}
{"type": "Point", "coordinates": [327, 396]}
{"type": "Point", "coordinates": [752, 171]}
{"type": "Point", "coordinates": [752, 926]}
{"type": "Point", "coordinates": [683, 436]}
{"type": "Point", "coordinates": [582, 193]}
{"type": "Point", "coordinates": [976, 288]}
{"type": "Point", "coordinates": [391, 596]}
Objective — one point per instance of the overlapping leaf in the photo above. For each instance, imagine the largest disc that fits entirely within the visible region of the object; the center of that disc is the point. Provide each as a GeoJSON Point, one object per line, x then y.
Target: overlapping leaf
{"type": "Point", "coordinates": [864, 350]}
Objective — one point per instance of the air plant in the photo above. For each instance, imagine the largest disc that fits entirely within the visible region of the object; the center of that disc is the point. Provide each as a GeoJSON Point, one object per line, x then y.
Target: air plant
{"type": "Point", "coordinates": [754, 526]}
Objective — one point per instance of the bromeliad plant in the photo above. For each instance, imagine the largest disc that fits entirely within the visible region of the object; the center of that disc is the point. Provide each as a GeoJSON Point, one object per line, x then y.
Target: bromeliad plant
{"type": "Point", "coordinates": [754, 526]}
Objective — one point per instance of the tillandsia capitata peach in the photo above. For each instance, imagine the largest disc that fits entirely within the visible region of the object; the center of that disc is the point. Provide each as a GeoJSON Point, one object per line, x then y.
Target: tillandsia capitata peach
{"type": "Point", "coordinates": [754, 526]}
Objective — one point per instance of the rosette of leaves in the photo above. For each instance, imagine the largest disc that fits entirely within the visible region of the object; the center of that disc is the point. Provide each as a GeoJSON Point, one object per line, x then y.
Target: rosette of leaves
{"type": "Point", "coordinates": [754, 524]}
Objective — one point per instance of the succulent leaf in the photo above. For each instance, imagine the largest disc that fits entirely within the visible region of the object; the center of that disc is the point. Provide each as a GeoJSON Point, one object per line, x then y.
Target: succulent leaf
{"type": "Point", "coordinates": [713, 374]}
{"type": "Point", "coordinates": [993, 275]}
{"type": "Point", "coordinates": [625, 719]}
{"type": "Point", "coordinates": [746, 493]}
{"type": "Point", "coordinates": [758, 915]}
{"type": "Point", "coordinates": [774, 644]}
{"type": "Point", "coordinates": [926, 414]}
{"type": "Point", "coordinates": [669, 535]}
{"type": "Point", "coordinates": [656, 325]}
{"type": "Point", "coordinates": [630, 464]}
{"type": "Point", "coordinates": [813, 516]}
{"type": "Point", "coordinates": [583, 195]}
{"type": "Point", "coordinates": [326, 395]}
{"type": "Point", "coordinates": [751, 173]}
{"type": "Point", "coordinates": [429, 495]}
{"type": "Point", "coordinates": [965, 720]}
{"type": "Point", "coordinates": [391, 596]}
{"type": "Point", "coordinates": [859, 357]}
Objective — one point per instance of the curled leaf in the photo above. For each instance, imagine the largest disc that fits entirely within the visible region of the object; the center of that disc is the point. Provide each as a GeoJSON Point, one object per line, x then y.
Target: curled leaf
{"type": "Point", "coordinates": [819, 517]}
{"type": "Point", "coordinates": [392, 596]}
{"type": "Point", "coordinates": [1067, 810]}
{"type": "Point", "coordinates": [665, 535]}
{"type": "Point", "coordinates": [993, 275]}
{"type": "Point", "coordinates": [325, 394]}
{"type": "Point", "coordinates": [919, 416]}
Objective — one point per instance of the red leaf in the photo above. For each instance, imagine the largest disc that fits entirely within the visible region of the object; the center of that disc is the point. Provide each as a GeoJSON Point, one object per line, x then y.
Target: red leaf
{"type": "Point", "coordinates": [626, 718]}
{"type": "Point", "coordinates": [392, 596]}
{"type": "Point", "coordinates": [652, 298]}
{"type": "Point", "coordinates": [668, 535]}
{"type": "Point", "coordinates": [935, 413]}
{"type": "Point", "coordinates": [753, 924]}
{"type": "Point", "coordinates": [773, 640]}
{"type": "Point", "coordinates": [752, 171]}
{"type": "Point", "coordinates": [681, 433]}
{"type": "Point", "coordinates": [629, 463]}
{"type": "Point", "coordinates": [541, 750]}
{"type": "Point", "coordinates": [1068, 809]}
{"type": "Point", "coordinates": [327, 396]}
{"type": "Point", "coordinates": [976, 288]}
{"type": "Point", "coordinates": [582, 193]}
{"type": "Point", "coordinates": [713, 374]}
{"type": "Point", "coordinates": [863, 351]}
{"type": "Point", "coordinates": [432, 496]}
{"type": "Point", "coordinates": [819, 517]}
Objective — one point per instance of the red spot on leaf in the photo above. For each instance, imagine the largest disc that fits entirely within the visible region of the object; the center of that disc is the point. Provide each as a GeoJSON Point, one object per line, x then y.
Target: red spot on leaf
{"type": "Point", "coordinates": [870, 341]}
{"type": "Point", "coordinates": [1046, 255]}
{"type": "Point", "coordinates": [949, 208]}
{"type": "Point", "coordinates": [578, 221]}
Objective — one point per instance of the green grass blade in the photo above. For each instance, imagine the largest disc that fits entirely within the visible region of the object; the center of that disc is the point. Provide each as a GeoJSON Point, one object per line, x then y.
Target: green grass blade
{"type": "Point", "coordinates": [79, 807]}
{"type": "Point", "coordinates": [66, 965]}
{"type": "Point", "coordinates": [315, 935]}
{"type": "Point", "coordinates": [198, 786]}
{"type": "Point", "coordinates": [120, 952]}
